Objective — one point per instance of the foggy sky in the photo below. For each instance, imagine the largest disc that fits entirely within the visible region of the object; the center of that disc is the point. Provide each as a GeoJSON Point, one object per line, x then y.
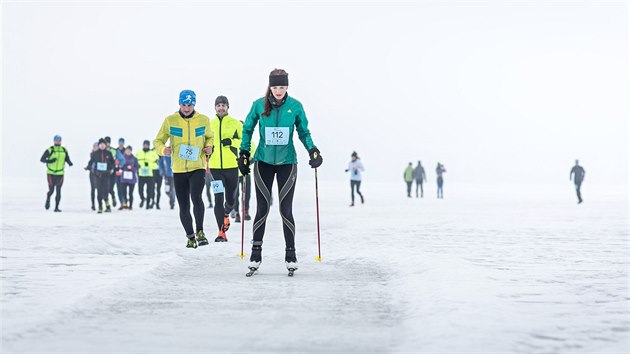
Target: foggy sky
{"type": "Point", "coordinates": [497, 91]}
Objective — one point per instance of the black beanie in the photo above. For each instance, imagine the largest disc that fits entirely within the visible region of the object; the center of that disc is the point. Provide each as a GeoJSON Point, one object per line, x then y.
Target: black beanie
{"type": "Point", "coordinates": [108, 139]}
{"type": "Point", "coordinates": [222, 99]}
{"type": "Point", "coordinates": [101, 140]}
{"type": "Point", "coordinates": [146, 142]}
{"type": "Point", "coordinates": [278, 80]}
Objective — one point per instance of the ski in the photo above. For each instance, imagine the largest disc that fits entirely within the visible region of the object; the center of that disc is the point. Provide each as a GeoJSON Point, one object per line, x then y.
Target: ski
{"type": "Point", "coordinates": [251, 272]}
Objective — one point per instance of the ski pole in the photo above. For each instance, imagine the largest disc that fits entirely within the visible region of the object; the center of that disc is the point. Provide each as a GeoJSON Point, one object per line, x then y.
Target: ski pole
{"type": "Point", "coordinates": [319, 248]}
{"type": "Point", "coordinates": [243, 191]}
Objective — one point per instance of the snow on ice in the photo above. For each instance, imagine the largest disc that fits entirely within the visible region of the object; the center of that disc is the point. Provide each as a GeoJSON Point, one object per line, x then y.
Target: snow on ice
{"type": "Point", "coordinates": [487, 269]}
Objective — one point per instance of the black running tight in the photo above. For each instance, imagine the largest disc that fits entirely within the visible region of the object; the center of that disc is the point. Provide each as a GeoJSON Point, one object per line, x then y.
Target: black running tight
{"type": "Point", "coordinates": [189, 186]}
{"type": "Point", "coordinates": [263, 176]}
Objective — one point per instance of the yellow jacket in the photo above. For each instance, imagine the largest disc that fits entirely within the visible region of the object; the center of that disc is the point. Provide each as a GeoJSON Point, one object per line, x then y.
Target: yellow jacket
{"type": "Point", "coordinates": [224, 157]}
{"type": "Point", "coordinates": [148, 161]}
{"type": "Point", "coordinates": [193, 132]}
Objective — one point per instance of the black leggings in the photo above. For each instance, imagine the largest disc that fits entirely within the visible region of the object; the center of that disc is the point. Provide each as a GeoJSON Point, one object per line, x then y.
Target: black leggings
{"type": "Point", "coordinates": [113, 179]}
{"type": "Point", "coordinates": [93, 187]}
{"type": "Point", "coordinates": [356, 184]}
{"type": "Point", "coordinates": [189, 186]}
{"type": "Point", "coordinates": [263, 176]}
{"type": "Point", "coordinates": [127, 196]}
{"type": "Point", "coordinates": [157, 178]}
{"type": "Point", "coordinates": [54, 183]}
{"type": "Point", "coordinates": [102, 187]}
{"type": "Point", "coordinates": [229, 177]}
{"type": "Point", "coordinates": [146, 181]}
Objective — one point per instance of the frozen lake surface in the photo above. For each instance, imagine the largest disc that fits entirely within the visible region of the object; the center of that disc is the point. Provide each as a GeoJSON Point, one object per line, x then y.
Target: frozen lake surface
{"type": "Point", "coordinates": [508, 270]}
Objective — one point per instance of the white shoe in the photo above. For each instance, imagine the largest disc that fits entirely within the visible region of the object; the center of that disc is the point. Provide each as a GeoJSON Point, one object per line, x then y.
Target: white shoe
{"type": "Point", "coordinates": [254, 265]}
{"type": "Point", "coordinates": [292, 265]}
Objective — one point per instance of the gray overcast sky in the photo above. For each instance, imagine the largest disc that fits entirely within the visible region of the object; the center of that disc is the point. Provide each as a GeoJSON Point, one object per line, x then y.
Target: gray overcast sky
{"type": "Point", "coordinates": [508, 91]}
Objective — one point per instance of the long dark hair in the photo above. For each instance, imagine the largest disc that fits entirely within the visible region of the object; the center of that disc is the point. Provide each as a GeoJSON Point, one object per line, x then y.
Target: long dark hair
{"type": "Point", "coordinates": [274, 72]}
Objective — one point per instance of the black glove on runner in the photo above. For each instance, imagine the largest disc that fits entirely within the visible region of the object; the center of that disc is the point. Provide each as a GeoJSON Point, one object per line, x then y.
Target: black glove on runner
{"type": "Point", "coordinates": [316, 158]}
{"type": "Point", "coordinates": [52, 160]}
{"type": "Point", "coordinates": [243, 162]}
{"type": "Point", "coordinates": [226, 142]}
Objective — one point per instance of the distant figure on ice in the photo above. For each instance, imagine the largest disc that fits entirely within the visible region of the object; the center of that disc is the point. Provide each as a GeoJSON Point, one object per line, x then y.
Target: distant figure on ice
{"type": "Point", "coordinates": [439, 170]}
{"type": "Point", "coordinates": [55, 158]}
{"type": "Point", "coordinates": [167, 172]}
{"type": "Point", "coordinates": [419, 176]}
{"type": "Point", "coordinates": [128, 179]}
{"type": "Point", "coordinates": [90, 168]}
{"type": "Point", "coordinates": [577, 173]}
{"type": "Point", "coordinates": [102, 164]}
{"type": "Point", "coordinates": [408, 176]}
{"type": "Point", "coordinates": [355, 167]}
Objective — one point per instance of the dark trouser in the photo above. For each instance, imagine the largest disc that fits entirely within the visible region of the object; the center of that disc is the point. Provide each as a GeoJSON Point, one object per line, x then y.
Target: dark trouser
{"type": "Point", "coordinates": [157, 178]}
{"type": "Point", "coordinates": [409, 188]}
{"type": "Point", "coordinates": [93, 188]}
{"type": "Point", "coordinates": [189, 186]}
{"type": "Point", "coordinates": [170, 189]}
{"type": "Point", "coordinates": [356, 184]}
{"type": "Point", "coordinates": [248, 192]}
{"type": "Point", "coordinates": [127, 192]}
{"type": "Point", "coordinates": [208, 180]}
{"type": "Point", "coordinates": [578, 186]}
{"type": "Point", "coordinates": [146, 181]}
{"type": "Point", "coordinates": [102, 186]}
{"type": "Point", "coordinates": [229, 177]}
{"type": "Point", "coordinates": [121, 190]}
{"type": "Point", "coordinates": [419, 184]}
{"type": "Point", "coordinates": [112, 182]}
{"type": "Point", "coordinates": [54, 183]}
{"type": "Point", "coordinates": [263, 178]}
{"type": "Point", "coordinates": [440, 189]}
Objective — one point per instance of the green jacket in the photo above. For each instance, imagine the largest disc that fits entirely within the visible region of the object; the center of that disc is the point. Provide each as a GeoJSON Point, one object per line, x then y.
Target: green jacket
{"type": "Point", "coordinates": [60, 154]}
{"type": "Point", "coordinates": [409, 174]}
{"type": "Point", "coordinates": [275, 147]}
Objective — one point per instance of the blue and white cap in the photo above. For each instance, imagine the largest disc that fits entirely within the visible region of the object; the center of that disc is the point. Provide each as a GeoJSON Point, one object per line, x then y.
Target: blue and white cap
{"type": "Point", "coordinates": [57, 138]}
{"type": "Point", "coordinates": [187, 97]}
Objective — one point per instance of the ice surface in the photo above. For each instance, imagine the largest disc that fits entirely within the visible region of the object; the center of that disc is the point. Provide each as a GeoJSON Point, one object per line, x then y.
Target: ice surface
{"type": "Point", "coordinates": [487, 269]}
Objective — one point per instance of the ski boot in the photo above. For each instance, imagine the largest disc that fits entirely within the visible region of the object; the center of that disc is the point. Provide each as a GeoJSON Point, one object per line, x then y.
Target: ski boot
{"type": "Point", "coordinates": [192, 243]}
{"type": "Point", "coordinates": [221, 237]}
{"type": "Point", "coordinates": [113, 200]}
{"type": "Point", "coordinates": [47, 205]}
{"type": "Point", "coordinates": [226, 223]}
{"type": "Point", "coordinates": [233, 214]}
{"type": "Point", "coordinates": [157, 206]}
{"type": "Point", "coordinates": [93, 208]}
{"type": "Point", "coordinates": [201, 238]}
{"type": "Point", "coordinates": [290, 260]}
{"type": "Point", "coordinates": [108, 209]}
{"type": "Point", "coordinates": [255, 259]}
{"type": "Point", "coordinates": [237, 217]}
{"type": "Point", "coordinates": [246, 216]}
{"type": "Point", "coordinates": [57, 210]}
{"type": "Point", "coordinates": [122, 206]}
{"type": "Point", "coordinates": [100, 210]}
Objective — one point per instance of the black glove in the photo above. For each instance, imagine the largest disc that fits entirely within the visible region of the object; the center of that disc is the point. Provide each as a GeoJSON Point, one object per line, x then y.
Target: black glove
{"type": "Point", "coordinates": [226, 142]}
{"type": "Point", "coordinates": [146, 164]}
{"type": "Point", "coordinates": [52, 160]}
{"type": "Point", "coordinates": [243, 162]}
{"type": "Point", "coordinates": [70, 164]}
{"type": "Point", "coordinates": [316, 158]}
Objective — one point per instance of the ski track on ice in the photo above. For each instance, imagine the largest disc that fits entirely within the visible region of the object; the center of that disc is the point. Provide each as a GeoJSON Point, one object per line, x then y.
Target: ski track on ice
{"type": "Point", "coordinates": [398, 275]}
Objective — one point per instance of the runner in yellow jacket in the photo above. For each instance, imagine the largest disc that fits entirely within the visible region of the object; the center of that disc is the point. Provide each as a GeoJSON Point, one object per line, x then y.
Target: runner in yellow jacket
{"type": "Point", "coordinates": [223, 165]}
{"type": "Point", "coordinates": [191, 141]}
